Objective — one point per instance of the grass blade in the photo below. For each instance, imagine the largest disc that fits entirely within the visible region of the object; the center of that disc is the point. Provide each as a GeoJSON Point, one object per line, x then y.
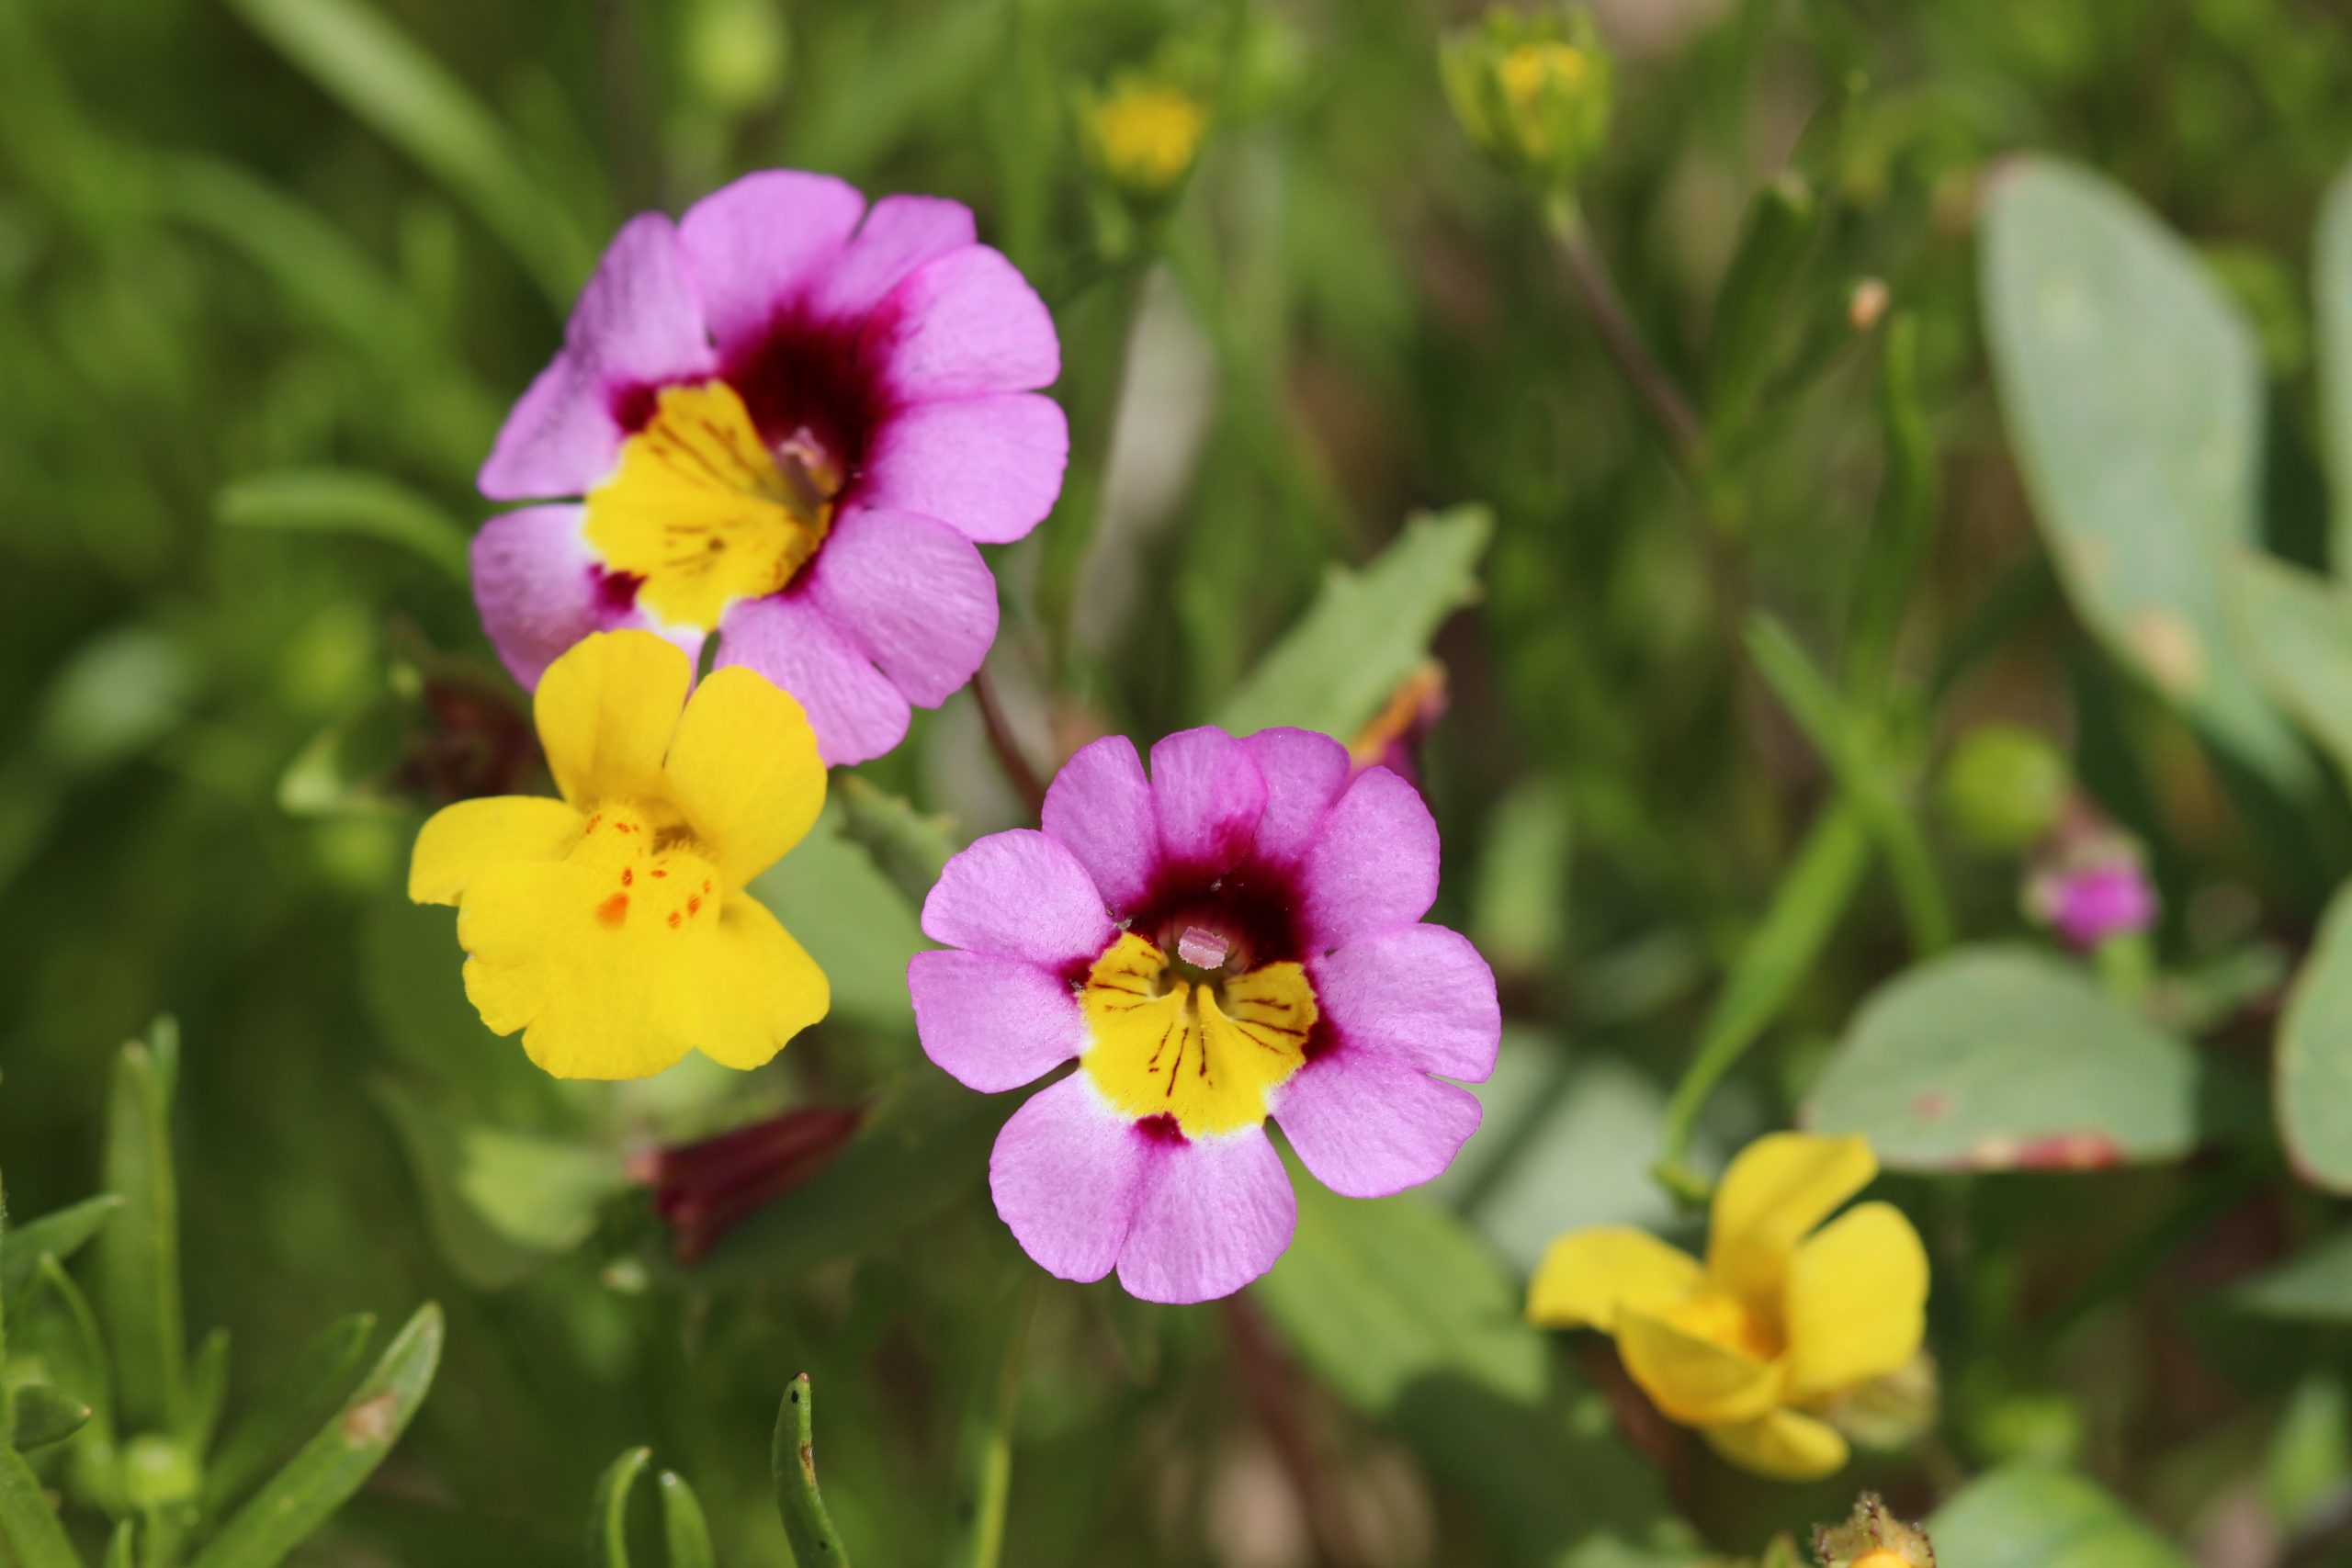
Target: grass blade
{"type": "Point", "coordinates": [684, 1531]}
{"type": "Point", "coordinates": [59, 1235]}
{"type": "Point", "coordinates": [314, 1385]}
{"type": "Point", "coordinates": [608, 1516]}
{"type": "Point", "coordinates": [345, 501]}
{"type": "Point", "coordinates": [138, 1257]}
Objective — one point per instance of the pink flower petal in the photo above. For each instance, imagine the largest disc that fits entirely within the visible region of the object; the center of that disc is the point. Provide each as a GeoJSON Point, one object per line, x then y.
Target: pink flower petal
{"type": "Point", "coordinates": [637, 325]}
{"type": "Point", "coordinates": [1420, 994]}
{"type": "Point", "coordinates": [913, 593]}
{"type": "Point", "coordinates": [1305, 773]}
{"type": "Point", "coordinates": [1067, 1173]}
{"type": "Point", "coordinates": [1207, 795]}
{"type": "Point", "coordinates": [541, 589]}
{"type": "Point", "coordinates": [1020, 895]}
{"type": "Point", "coordinates": [1374, 864]}
{"type": "Point", "coordinates": [1368, 1125]}
{"type": "Point", "coordinates": [1099, 805]}
{"type": "Point", "coordinates": [899, 235]}
{"type": "Point", "coordinates": [757, 245]}
{"type": "Point", "coordinates": [855, 710]}
{"type": "Point", "coordinates": [993, 1024]}
{"type": "Point", "coordinates": [961, 324]}
{"type": "Point", "coordinates": [1213, 1214]}
{"type": "Point", "coordinates": [989, 466]}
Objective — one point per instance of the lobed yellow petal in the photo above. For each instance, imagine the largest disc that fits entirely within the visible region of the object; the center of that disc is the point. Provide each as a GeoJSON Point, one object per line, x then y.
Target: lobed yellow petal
{"type": "Point", "coordinates": [750, 988]}
{"type": "Point", "coordinates": [1697, 1381]}
{"type": "Point", "coordinates": [1780, 1188]}
{"type": "Point", "coordinates": [605, 712]}
{"type": "Point", "coordinates": [1787, 1445]}
{"type": "Point", "coordinates": [1589, 1276]}
{"type": "Point", "coordinates": [1856, 1302]}
{"type": "Point", "coordinates": [743, 768]}
{"type": "Point", "coordinates": [459, 842]}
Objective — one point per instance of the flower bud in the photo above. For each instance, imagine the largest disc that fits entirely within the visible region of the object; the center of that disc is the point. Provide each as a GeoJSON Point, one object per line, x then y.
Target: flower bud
{"type": "Point", "coordinates": [1143, 135]}
{"type": "Point", "coordinates": [1533, 90]}
{"type": "Point", "coordinates": [1873, 1538]}
{"type": "Point", "coordinates": [2004, 788]}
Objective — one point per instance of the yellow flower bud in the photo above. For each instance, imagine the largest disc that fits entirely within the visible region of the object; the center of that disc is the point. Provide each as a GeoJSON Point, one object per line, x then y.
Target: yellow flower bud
{"type": "Point", "coordinates": [1144, 136]}
{"type": "Point", "coordinates": [1533, 92]}
{"type": "Point", "coordinates": [1873, 1538]}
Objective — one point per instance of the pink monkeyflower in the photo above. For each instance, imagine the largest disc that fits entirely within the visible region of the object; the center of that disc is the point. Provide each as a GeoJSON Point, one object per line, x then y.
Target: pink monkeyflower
{"type": "Point", "coordinates": [1237, 937]}
{"type": "Point", "coordinates": [786, 419]}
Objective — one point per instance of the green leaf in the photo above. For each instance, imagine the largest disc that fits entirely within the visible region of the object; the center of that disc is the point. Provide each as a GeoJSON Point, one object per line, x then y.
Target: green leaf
{"type": "Point", "coordinates": [499, 1203]}
{"type": "Point", "coordinates": [139, 1262]}
{"type": "Point", "coordinates": [2313, 1068]}
{"type": "Point", "coordinates": [608, 1515]}
{"type": "Point", "coordinates": [345, 501]}
{"type": "Point", "coordinates": [2133, 392]}
{"type": "Point", "coordinates": [29, 1526]}
{"type": "Point", "coordinates": [208, 1391]}
{"type": "Point", "coordinates": [2332, 282]}
{"type": "Point", "coordinates": [907, 847]}
{"type": "Point", "coordinates": [1366, 631]}
{"type": "Point", "coordinates": [1519, 908]}
{"type": "Point", "coordinates": [685, 1532]}
{"type": "Point", "coordinates": [2313, 1286]}
{"type": "Point", "coordinates": [2002, 1058]}
{"type": "Point", "coordinates": [1752, 309]}
{"type": "Point", "coordinates": [403, 94]}
{"type": "Point", "coordinates": [46, 1417]}
{"type": "Point", "coordinates": [314, 1384]}
{"type": "Point", "coordinates": [2297, 629]}
{"type": "Point", "coordinates": [120, 1549]}
{"type": "Point", "coordinates": [2028, 1516]}
{"type": "Point", "coordinates": [58, 1234]}
{"type": "Point", "coordinates": [851, 918]}
{"type": "Point", "coordinates": [792, 1460]}
{"type": "Point", "coordinates": [333, 1464]}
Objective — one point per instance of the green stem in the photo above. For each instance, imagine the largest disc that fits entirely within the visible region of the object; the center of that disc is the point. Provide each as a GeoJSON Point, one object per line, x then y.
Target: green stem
{"type": "Point", "coordinates": [1097, 389]}
{"type": "Point", "coordinates": [1662, 398]}
{"type": "Point", "coordinates": [792, 1458]}
{"type": "Point", "coordinates": [987, 1441]}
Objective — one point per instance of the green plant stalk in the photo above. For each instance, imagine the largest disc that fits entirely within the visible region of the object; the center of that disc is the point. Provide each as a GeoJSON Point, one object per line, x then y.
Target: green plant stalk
{"type": "Point", "coordinates": [793, 1459]}
{"type": "Point", "coordinates": [1904, 521]}
{"type": "Point", "coordinates": [1805, 909]}
{"type": "Point", "coordinates": [988, 1440]}
{"type": "Point", "coordinates": [1662, 398]}
{"type": "Point", "coordinates": [1066, 539]}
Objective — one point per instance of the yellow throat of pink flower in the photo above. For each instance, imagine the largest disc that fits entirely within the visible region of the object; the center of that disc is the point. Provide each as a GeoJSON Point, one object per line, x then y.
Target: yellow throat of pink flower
{"type": "Point", "coordinates": [1201, 1046]}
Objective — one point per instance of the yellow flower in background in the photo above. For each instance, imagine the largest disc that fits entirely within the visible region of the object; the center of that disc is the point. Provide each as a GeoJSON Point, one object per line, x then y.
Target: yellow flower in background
{"type": "Point", "coordinates": [1786, 1314]}
{"type": "Point", "coordinates": [611, 926]}
{"type": "Point", "coordinates": [1144, 135]}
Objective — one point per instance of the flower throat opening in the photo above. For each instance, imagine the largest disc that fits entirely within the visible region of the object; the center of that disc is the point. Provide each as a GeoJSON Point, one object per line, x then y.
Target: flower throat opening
{"type": "Point", "coordinates": [1195, 1038]}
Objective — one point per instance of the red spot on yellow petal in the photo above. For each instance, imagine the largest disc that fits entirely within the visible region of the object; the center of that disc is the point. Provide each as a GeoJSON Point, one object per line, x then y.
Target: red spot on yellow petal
{"type": "Point", "coordinates": [629, 877]}
{"type": "Point", "coordinates": [673, 917]}
{"type": "Point", "coordinates": [593, 821]}
{"type": "Point", "coordinates": [613, 911]}
{"type": "Point", "coordinates": [659, 871]}
{"type": "Point", "coordinates": [694, 905]}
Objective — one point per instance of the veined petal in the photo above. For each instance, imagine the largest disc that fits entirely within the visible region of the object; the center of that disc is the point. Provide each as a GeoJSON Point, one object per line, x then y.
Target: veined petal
{"type": "Point", "coordinates": [1020, 895]}
{"type": "Point", "coordinates": [900, 234]}
{"type": "Point", "coordinates": [749, 988]}
{"type": "Point", "coordinates": [1213, 1214]}
{"type": "Point", "coordinates": [1775, 1192]}
{"type": "Point", "coordinates": [1305, 773]}
{"type": "Point", "coordinates": [1207, 795]}
{"type": "Point", "coordinates": [913, 593]}
{"type": "Point", "coordinates": [1787, 1445]}
{"type": "Point", "coordinates": [1099, 806]}
{"type": "Point", "coordinates": [989, 466]}
{"type": "Point", "coordinates": [540, 588]}
{"type": "Point", "coordinates": [1067, 1175]}
{"type": "Point", "coordinates": [960, 324]}
{"type": "Point", "coordinates": [1695, 1381]}
{"type": "Point", "coordinates": [993, 1024]}
{"type": "Point", "coordinates": [1374, 863]}
{"type": "Point", "coordinates": [1856, 1302]}
{"type": "Point", "coordinates": [743, 768]}
{"type": "Point", "coordinates": [1368, 1125]}
{"type": "Point", "coordinates": [1589, 1277]}
{"type": "Point", "coordinates": [637, 324]}
{"type": "Point", "coordinates": [458, 842]}
{"type": "Point", "coordinates": [1420, 994]}
{"type": "Point", "coordinates": [794, 642]}
{"type": "Point", "coordinates": [605, 712]}
{"type": "Point", "coordinates": [759, 244]}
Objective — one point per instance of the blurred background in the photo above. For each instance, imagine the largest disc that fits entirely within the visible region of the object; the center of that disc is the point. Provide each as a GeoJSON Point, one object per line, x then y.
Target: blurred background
{"type": "Point", "coordinates": [271, 272]}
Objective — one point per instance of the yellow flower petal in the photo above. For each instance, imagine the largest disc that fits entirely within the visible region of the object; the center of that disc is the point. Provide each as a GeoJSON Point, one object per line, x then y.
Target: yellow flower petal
{"type": "Point", "coordinates": [752, 986]}
{"type": "Point", "coordinates": [1787, 1445]}
{"type": "Point", "coordinates": [1695, 1381]}
{"type": "Point", "coordinates": [605, 712]}
{"type": "Point", "coordinates": [460, 841]}
{"type": "Point", "coordinates": [1856, 1302]}
{"type": "Point", "coordinates": [743, 769]}
{"type": "Point", "coordinates": [1589, 1276]}
{"type": "Point", "coordinates": [1780, 1188]}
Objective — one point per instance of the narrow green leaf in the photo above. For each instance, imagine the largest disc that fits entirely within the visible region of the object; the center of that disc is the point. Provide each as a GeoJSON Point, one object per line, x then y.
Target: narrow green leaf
{"type": "Point", "coordinates": [984, 1468]}
{"type": "Point", "coordinates": [2332, 284]}
{"type": "Point", "coordinates": [314, 1384]}
{"type": "Point", "coordinates": [59, 1327]}
{"type": "Point", "coordinates": [1903, 521]}
{"type": "Point", "coordinates": [1366, 631]}
{"type": "Point", "coordinates": [2313, 1286]}
{"type": "Point", "coordinates": [120, 1549]}
{"type": "Point", "coordinates": [2131, 389]}
{"type": "Point", "coordinates": [208, 1391]}
{"type": "Point", "coordinates": [405, 96]}
{"type": "Point", "coordinates": [345, 501]}
{"type": "Point", "coordinates": [29, 1526]}
{"type": "Point", "coordinates": [1752, 310]}
{"type": "Point", "coordinates": [59, 1235]}
{"type": "Point", "coordinates": [46, 1417]}
{"type": "Point", "coordinates": [2027, 1516]}
{"type": "Point", "coordinates": [792, 1460]}
{"type": "Point", "coordinates": [608, 1515]}
{"type": "Point", "coordinates": [139, 1264]}
{"type": "Point", "coordinates": [336, 1462]}
{"type": "Point", "coordinates": [2003, 1058]}
{"type": "Point", "coordinates": [2297, 629]}
{"type": "Point", "coordinates": [684, 1531]}
{"type": "Point", "coordinates": [2311, 1072]}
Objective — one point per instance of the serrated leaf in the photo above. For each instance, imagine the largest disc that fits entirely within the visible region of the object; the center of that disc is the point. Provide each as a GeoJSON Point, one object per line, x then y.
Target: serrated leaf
{"type": "Point", "coordinates": [345, 501]}
{"type": "Point", "coordinates": [2312, 1071]}
{"type": "Point", "coordinates": [2028, 1516]}
{"type": "Point", "coordinates": [608, 1514]}
{"type": "Point", "coordinates": [1365, 632]}
{"type": "Point", "coordinates": [2002, 1058]}
{"type": "Point", "coordinates": [2131, 389]}
{"type": "Point", "coordinates": [333, 1464]}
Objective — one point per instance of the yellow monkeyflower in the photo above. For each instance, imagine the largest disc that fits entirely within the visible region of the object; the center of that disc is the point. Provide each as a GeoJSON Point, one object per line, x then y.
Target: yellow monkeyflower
{"type": "Point", "coordinates": [1144, 135]}
{"type": "Point", "coordinates": [1785, 1315]}
{"type": "Point", "coordinates": [611, 926]}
